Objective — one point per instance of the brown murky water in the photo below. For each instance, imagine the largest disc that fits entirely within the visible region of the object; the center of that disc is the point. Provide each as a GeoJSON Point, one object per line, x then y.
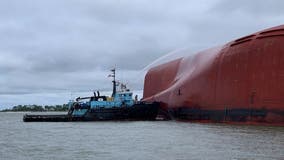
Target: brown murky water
{"type": "Point", "coordinates": [136, 140]}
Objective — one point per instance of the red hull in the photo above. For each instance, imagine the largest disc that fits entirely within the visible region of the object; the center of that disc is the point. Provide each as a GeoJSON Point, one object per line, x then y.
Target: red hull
{"type": "Point", "coordinates": [242, 81]}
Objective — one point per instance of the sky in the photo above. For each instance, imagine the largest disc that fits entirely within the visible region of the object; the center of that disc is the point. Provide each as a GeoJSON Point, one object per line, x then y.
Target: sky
{"type": "Point", "coordinates": [54, 50]}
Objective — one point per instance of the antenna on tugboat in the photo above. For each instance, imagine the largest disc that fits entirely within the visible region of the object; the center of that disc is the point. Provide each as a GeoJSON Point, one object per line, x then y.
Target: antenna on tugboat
{"type": "Point", "coordinates": [113, 81]}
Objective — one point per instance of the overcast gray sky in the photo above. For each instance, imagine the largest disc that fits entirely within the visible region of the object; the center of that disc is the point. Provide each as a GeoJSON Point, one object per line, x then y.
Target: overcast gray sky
{"type": "Point", "coordinates": [50, 48]}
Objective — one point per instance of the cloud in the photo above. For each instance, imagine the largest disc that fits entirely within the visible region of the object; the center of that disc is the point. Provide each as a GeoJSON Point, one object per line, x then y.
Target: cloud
{"type": "Point", "coordinates": [54, 46]}
{"type": "Point", "coordinates": [261, 8]}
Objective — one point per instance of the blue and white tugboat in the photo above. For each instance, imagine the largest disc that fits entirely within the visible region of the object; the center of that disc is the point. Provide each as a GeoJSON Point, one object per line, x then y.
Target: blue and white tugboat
{"type": "Point", "coordinates": [119, 106]}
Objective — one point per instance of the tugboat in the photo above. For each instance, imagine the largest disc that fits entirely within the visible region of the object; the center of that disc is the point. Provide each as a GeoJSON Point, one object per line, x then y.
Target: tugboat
{"type": "Point", "coordinates": [120, 106]}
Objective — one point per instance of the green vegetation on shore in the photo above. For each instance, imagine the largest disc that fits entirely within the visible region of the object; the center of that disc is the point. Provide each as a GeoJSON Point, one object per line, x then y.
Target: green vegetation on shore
{"type": "Point", "coordinates": [37, 108]}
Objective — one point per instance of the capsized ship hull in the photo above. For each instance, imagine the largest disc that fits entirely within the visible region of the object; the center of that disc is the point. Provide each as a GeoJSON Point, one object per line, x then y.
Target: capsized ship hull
{"type": "Point", "coordinates": [241, 81]}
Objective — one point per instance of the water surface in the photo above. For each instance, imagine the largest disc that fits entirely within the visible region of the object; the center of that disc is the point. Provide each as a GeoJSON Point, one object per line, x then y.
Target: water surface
{"type": "Point", "coordinates": [136, 140]}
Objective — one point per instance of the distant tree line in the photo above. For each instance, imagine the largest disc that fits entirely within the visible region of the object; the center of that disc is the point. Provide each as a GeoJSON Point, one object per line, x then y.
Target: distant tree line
{"type": "Point", "coordinates": [37, 108]}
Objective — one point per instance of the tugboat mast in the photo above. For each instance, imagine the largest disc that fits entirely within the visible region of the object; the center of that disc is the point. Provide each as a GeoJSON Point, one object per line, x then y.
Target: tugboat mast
{"type": "Point", "coordinates": [113, 82]}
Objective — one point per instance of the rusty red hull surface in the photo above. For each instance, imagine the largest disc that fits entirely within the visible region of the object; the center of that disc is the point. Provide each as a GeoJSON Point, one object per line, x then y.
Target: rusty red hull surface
{"type": "Point", "coordinates": [242, 82]}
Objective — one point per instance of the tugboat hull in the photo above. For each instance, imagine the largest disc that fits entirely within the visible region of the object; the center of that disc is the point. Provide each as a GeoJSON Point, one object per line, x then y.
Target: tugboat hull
{"type": "Point", "coordinates": [142, 111]}
{"type": "Point", "coordinates": [136, 112]}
